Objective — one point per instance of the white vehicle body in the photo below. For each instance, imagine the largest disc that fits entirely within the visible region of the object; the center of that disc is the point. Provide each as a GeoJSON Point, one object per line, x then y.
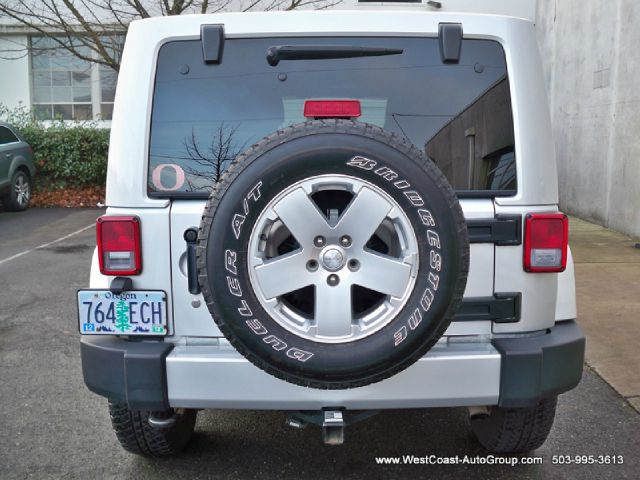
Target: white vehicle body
{"type": "Point", "coordinates": [464, 369]}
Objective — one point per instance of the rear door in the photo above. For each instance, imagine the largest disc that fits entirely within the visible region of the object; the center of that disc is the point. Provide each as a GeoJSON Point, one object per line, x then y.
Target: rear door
{"type": "Point", "coordinates": [205, 114]}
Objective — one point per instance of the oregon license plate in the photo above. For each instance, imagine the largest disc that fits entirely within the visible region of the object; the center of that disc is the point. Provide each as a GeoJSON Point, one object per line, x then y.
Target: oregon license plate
{"type": "Point", "coordinates": [129, 313]}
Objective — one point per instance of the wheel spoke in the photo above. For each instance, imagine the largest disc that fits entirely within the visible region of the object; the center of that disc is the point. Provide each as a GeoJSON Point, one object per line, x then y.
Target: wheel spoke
{"type": "Point", "coordinates": [283, 275]}
{"type": "Point", "coordinates": [363, 216]}
{"type": "Point", "coordinates": [332, 258]}
{"type": "Point", "coordinates": [333, 310]}
{"type": "Point", "coordinates": [383, 274]}
{"type": "Point", "coordinates": [301, 216]}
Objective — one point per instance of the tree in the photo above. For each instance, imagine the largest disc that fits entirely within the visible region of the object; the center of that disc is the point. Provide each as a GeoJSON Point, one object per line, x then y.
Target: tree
{"type": "Point", "coordinates": [93, 29]}
{"type": "Point", "coordinates": [122, 316]}
{"type": "Point", "coordinates": [210, 162]}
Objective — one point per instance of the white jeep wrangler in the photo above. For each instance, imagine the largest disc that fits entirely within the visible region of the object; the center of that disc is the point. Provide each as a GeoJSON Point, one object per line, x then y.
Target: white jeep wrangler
{"type": "Point", "coordinates": [331, 214]}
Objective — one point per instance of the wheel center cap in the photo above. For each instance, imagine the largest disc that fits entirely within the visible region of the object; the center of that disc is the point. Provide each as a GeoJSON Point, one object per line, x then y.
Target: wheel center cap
{"type": "Point", "coordinates": [332, 259]}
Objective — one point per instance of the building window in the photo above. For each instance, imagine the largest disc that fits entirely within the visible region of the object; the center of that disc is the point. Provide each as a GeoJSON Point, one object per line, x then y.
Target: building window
{"type": "Point", "coordinates": [68, 88]}
{"type": "Point", "coordinates": [108, 79]}
{"type": "Point", "coordinates": [500, 170]}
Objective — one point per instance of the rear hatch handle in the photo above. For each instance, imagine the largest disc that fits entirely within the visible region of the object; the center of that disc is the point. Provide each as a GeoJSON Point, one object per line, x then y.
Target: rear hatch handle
{"type": "Point", "coordinates": [191, 237]}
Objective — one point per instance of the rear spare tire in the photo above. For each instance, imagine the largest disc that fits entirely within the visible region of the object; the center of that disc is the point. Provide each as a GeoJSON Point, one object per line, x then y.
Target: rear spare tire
{"type": "Point", "coordinates": [333, 254]}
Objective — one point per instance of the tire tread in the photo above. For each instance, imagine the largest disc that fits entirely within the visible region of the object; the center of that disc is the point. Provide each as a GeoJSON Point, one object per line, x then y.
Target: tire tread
{"type": "Point", "coordinates": [134, 433]}
{"type": "Point", "coordinates": [516, 430]}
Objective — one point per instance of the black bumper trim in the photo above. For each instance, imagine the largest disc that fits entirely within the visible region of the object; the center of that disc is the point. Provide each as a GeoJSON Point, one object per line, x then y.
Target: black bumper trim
{"type": "Point", "coordinates": [501, 230]}
{"type": "Point", "coordinates": [130, 372]}
{"type": "Point", "coordinates": [538, 367]}
{"type": "Point", "coordinates": [501, 308]}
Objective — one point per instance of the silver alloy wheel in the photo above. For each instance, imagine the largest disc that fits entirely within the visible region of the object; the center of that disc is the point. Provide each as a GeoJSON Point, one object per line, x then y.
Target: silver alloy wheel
{"type": "Point", "coordinates": [22, 189]}
{"type": "Point", "coordinates": [327, 260]}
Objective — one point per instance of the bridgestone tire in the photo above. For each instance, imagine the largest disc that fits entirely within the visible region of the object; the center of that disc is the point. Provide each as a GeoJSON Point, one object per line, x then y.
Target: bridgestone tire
{"type": "Point", "coordinates": [136, 435]}
{"type": "Point", "coordinates": [355, 150]}
{"type": "Point", "coordinates": [515, 430]}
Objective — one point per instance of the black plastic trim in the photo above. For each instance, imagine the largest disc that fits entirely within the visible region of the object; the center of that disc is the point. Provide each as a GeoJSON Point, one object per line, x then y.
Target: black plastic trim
{"type": "Point", "coordinates": [501, 230]}
{"type": "Point", "coordinates": [485, 193]}
{"type": "Point", "coordinates": [191, 237]}
{"type": "Point", "coordinates": [120, 284]}
{"type": "Point", "coordinates": [212, 38]}
{"type": "Point", "coordinates": [450, 40]}
{"type": "Point", "coordinates": [542, 366]}
{"type": "Point", "coordinates": [501, 308]}
{"type": "Point", "coordinates": [130, 372]}
{"type": "Point", "coordinates": [277, 53]}
{"type": "Point", "coordinates": [179, 195]}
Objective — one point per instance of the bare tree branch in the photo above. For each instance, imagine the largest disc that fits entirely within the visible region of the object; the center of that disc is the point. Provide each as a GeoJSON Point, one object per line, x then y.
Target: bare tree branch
{"type": "Point", "coordinates": [209, 164]}
{"type": "Point", "coordinates": [88, 28]}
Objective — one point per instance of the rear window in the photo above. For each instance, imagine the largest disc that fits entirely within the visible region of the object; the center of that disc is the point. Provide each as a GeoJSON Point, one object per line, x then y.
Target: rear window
{"type": "Point", "coordinates": [204, 114]}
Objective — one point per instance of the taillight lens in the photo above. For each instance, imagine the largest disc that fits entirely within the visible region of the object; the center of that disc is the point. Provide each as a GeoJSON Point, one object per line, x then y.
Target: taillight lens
{"type": "Point", "coordinates": [332, 108]}
{"type": "Point", "coordinates": [119, 245]}
{"type": "Point", "coordinates": [545, 242]}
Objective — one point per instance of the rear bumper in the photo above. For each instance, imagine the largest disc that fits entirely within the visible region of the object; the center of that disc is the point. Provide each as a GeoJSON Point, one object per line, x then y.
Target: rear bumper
{"type": "Point", "coordinates": [129, 372]}
{"type": "Point", "coordinates": [539, 367]}
{"type": "Point", "coordinates": [510, 372]}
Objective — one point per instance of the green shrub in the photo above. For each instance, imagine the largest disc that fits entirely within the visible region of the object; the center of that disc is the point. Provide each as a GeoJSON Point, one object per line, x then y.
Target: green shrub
{"type": "Point", "coordinates": [65, 154]}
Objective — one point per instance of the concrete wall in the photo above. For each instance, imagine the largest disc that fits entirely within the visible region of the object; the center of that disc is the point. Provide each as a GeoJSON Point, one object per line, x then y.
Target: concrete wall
{"type": "Point", "coordinates": [14, 71]}
{"type": "Point", "coordinates": [591, 58]}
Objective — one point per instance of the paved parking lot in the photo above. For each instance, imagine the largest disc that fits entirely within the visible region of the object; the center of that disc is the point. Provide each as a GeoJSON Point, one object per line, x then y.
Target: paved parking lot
{"type": "Point", "coordinates": [51, 426]}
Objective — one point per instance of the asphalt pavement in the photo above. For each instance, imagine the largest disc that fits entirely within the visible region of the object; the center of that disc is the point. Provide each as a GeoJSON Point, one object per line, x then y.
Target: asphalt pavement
{"type": "Point", "coordinates": [51, 426]}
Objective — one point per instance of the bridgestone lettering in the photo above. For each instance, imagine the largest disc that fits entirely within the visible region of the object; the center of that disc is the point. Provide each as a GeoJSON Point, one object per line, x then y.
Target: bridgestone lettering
{"type": "Point", "coordinates": [433, 239]}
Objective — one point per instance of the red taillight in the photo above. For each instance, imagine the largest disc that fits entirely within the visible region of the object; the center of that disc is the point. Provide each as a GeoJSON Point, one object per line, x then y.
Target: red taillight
{"type": "Point", "coordinates": [545, 242]}
{"type": "Point", "coordinates": [119, 245]}
{"type": "Point", "coordinates": [332, 108]}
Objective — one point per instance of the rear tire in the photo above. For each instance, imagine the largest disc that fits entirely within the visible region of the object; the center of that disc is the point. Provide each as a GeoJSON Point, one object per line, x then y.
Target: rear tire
{"type": "Point", "coordinates": [19, 196]}
{"type": "Point", "coordinates": [515, 430]}
{"type": "Point", "coordinates": [136, 435]}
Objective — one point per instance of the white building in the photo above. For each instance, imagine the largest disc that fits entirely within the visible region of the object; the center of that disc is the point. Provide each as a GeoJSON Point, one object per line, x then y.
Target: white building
{"type": "Point", "coordinates": [50, 81]}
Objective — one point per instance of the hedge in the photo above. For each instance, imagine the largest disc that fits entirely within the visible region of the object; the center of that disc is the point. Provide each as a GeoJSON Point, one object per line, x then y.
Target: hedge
{"type": "Point", "coordinates": [65, 154]}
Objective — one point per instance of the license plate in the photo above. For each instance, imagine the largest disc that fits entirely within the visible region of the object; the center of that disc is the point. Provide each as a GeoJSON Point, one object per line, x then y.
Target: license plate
{"type": "Point", "coordinates": [129, 313]}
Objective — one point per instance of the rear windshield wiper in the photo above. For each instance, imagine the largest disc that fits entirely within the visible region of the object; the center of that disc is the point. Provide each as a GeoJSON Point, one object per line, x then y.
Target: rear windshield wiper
{"type": "Point", "coordinates": [320, 52]}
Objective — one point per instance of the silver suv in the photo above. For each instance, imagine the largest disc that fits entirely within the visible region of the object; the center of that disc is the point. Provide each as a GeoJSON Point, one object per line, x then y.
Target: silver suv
{"type": "Point", "coordinates": [331, 214]}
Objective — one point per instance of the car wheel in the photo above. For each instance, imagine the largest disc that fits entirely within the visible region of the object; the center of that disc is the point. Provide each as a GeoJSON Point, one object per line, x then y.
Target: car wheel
{"type": "Point", "coordinates": [19, 196]}
{"type": "Point", "coordinates": [333, 254]}
{"type": "Point", "coordinates": [137, 435]}
{"type": "Point", "coordinates": [515, 430]}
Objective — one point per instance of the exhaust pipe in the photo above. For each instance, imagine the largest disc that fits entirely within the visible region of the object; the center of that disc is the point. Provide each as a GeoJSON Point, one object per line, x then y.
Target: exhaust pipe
{"type": "Point", "coordinates": [479, 412]}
